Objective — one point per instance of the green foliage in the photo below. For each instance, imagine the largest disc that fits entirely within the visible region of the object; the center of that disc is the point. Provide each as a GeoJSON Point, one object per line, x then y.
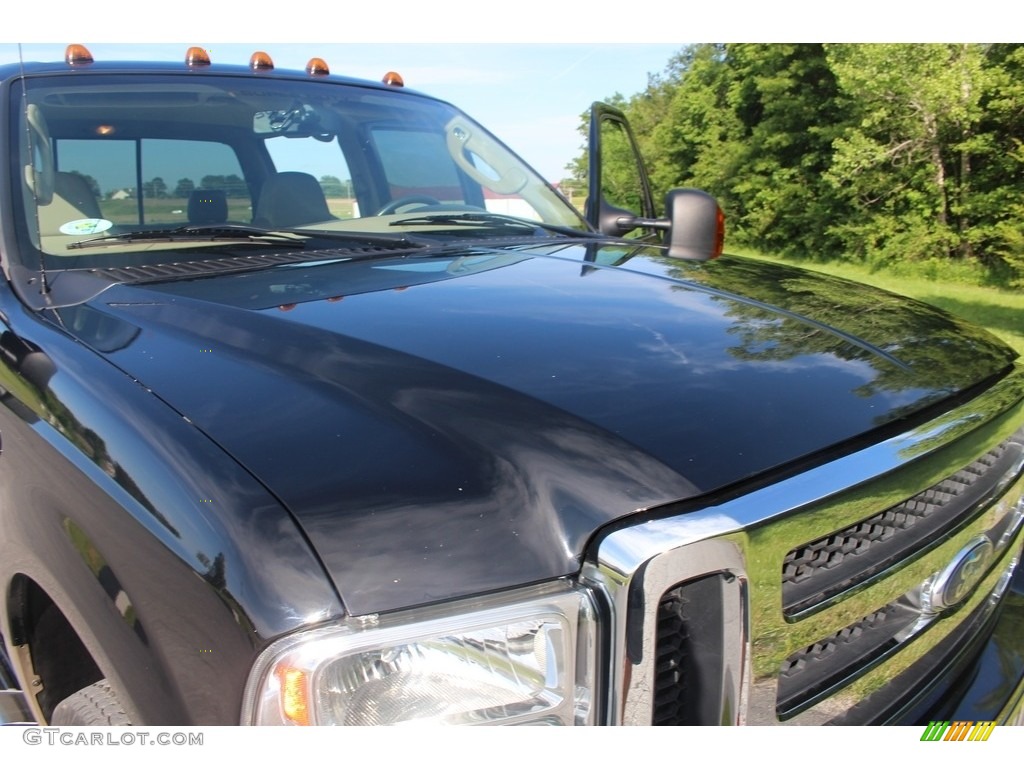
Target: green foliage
{"type": "Point", "coordinates": [905, 164]}
{"type": "Point", "coordinates": [184, 188]}
{"type": "Point", "coordinates": [232, 184]}
{"type": "Point", "coordinates": [880, 154]}
{"type": "Point", "coordinates": [155, 187]}
{"type": "Point", "coordinates": [620, 184]}
{"type": "Point", "coordinates": [332, 186]}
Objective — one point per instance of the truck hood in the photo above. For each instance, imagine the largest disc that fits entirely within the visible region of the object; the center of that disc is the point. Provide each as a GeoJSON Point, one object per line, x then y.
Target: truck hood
{"type": "Point", "coordinates": [447, 425]}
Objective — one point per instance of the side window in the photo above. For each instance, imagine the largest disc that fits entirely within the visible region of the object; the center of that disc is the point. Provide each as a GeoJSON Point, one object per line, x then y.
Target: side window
{"type": "Point", "coordinates": [325, 162]}
{"type": "Point", "coordinates": [169, 170]}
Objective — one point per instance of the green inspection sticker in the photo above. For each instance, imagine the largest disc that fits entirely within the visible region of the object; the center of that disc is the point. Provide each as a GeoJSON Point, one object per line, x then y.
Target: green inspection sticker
{"type": "Point", "coordinates": [85, 227]}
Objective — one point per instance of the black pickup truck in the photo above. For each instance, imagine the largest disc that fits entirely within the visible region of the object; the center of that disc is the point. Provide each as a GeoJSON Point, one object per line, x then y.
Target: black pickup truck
{"type": "Point", "coordinates": [321, 407]}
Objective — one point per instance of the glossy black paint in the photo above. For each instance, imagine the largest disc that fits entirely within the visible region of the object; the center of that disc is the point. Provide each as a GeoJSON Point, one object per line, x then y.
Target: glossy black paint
{"type": "Point", "coordinates": [171, 563]}
{"type": "Point", "coordinates": [462, 423]}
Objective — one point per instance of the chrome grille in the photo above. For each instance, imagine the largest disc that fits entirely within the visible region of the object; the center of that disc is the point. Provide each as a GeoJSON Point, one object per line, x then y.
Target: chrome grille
{"type": "Point", "coordinates": [816, 571]}
{"type": "Point", "coordinates": [928, 530]}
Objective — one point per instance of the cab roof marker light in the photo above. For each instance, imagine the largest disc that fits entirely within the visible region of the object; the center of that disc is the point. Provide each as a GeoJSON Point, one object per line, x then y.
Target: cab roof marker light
{"type": "Point", "coordinates": [394, 79]}
{"type": "Point", "coordinates": [197, 57]}
{"type": "Point", "coordinates": [317, 67]}
{"type": "Point", "coordinates": [77, 55]}
{"type": "Point", "coordinates": [261, 60]}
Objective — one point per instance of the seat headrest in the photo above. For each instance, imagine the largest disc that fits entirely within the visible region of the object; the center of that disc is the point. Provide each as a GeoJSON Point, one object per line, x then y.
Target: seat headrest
{"type": "Point", "coordinates": [207, 206]}
{"type": "Point", "coordinates": [291, 199]}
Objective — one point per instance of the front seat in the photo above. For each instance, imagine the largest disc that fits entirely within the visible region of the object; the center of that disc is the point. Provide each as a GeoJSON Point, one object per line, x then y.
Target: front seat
{"type": "Point", "coordinates": [291, 199]}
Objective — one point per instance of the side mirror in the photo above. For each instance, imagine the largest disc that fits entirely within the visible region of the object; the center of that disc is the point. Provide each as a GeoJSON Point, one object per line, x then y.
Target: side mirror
{"type": "Point", "coordinates": [694, 226]}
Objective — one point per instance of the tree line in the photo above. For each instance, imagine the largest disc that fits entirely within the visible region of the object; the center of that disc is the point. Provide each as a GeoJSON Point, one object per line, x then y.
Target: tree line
{"type": "Point", "coordinates": [232, 184]}
{"type": "Point", "coordinates": [876, 153]}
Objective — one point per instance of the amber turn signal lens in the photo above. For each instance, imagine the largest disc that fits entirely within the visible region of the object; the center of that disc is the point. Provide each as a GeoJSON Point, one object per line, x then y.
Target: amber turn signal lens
{"type": "Point", "coordinates": [293, 695]}
{"type": "Point", "coordinates": [719, 234]}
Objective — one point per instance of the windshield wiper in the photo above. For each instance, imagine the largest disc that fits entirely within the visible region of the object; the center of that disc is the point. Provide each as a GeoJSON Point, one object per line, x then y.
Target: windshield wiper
{"type": "Point", "coordinates": [488, 220]}
{"type": "Point", "coordinates": [235, 234]}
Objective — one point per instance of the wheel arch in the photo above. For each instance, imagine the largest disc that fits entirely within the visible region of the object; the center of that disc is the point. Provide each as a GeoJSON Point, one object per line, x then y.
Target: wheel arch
{"type": "Point", "coordinates": [50, 658]}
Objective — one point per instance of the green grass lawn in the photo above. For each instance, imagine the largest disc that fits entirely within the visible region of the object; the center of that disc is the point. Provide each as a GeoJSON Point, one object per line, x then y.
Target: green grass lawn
{"type": "Point", "coordinates": [1000, 311]}
{"type": "Point", "coordinates": [166, 210]}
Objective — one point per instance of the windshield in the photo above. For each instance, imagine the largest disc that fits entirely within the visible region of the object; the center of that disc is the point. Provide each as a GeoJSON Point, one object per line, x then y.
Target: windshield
{"type": "Point", "coordinates": [123, 171]}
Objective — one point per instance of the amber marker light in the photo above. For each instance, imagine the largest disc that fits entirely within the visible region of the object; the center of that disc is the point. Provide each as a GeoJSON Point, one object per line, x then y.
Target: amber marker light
{"type": "Point", "coordinates": [197, 57]}
{"type": "Point", "coordinates": [294, 704]}
{"type": "Point", "coordinates": [77, 55]}
{"type": "Point", "coordinates": [719, 233]}
{"type": "Point", "coordinates": [317, 67]}
{"type": "Point", "coordinates": [394, 79]}
{"type": "Point", "coordinates": [105, 130]}
{"type": "Point", "coordinates": [261, 60]}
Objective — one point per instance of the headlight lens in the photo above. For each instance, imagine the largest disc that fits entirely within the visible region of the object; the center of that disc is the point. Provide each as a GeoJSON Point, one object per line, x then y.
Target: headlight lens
{"type": "Point", "coordinates": [521, 658]}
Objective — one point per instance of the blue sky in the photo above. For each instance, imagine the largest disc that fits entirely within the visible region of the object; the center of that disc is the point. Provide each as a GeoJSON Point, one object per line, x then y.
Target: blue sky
{"type": "Point", "coordinates": [526, 69]}
{"type": "Point", "coordinates": [530, 95]}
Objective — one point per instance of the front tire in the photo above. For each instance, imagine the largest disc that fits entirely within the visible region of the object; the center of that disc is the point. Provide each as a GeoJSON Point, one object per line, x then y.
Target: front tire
{"type": "Point", "coordinates": [96, 704]}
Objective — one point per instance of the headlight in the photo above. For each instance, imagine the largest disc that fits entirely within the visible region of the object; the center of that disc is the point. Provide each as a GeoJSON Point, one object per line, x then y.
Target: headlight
{"type": "Point", "coordinates": [521, 658]}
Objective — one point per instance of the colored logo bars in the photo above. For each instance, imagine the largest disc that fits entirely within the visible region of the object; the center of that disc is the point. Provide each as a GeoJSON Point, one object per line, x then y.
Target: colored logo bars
{"type": "Point", "coordinates": [965, 730]}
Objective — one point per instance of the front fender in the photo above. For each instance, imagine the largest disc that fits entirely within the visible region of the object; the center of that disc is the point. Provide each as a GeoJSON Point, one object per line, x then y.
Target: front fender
{"type": "Point", "coordinates": [171, 563]}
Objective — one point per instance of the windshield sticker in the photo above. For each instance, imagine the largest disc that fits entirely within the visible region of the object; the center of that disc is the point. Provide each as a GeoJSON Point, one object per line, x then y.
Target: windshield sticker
{"type": "Point", "coordinates": [86, 227]}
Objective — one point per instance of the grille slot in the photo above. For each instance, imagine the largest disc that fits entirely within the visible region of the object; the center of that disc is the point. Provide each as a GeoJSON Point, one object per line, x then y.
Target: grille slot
{"type": "Point", "coordinates": [688, 653]}
{"type": "Point", "coordinates": [818, 570]}
{"type": "Point", "coordinates": [673, 663]}
{"type": "Point", "coordinates": [812, 673]}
